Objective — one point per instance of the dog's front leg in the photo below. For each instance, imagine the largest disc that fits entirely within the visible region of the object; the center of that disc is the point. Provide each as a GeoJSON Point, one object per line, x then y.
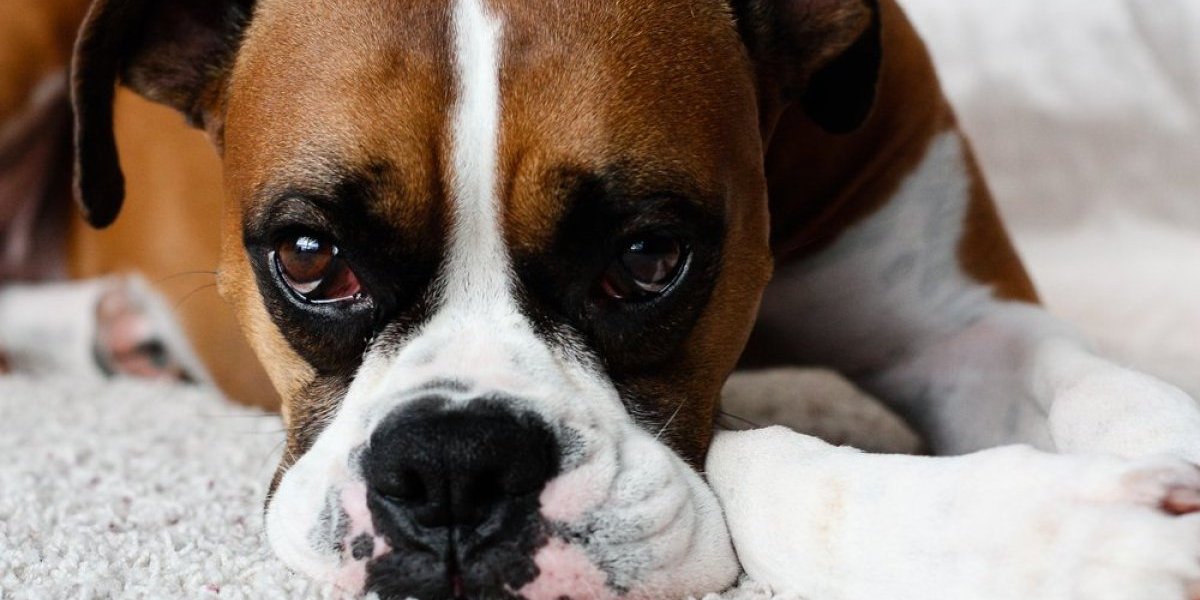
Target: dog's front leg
{"type": "Point", "coordinates": [1019, 370]}
{"type": "Point", "coordinates": [832, 523]}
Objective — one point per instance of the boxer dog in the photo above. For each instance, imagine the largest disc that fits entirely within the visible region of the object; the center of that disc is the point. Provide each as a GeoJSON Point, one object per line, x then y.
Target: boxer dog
{"type": "Point", "coordinates": [498, 258]}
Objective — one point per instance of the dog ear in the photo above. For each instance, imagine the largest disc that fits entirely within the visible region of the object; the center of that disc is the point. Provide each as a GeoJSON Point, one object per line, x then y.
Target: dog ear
{"type": "Point", "coordinates": [176, 52]}
{"type": "Point", "coordinates": [823, 54]}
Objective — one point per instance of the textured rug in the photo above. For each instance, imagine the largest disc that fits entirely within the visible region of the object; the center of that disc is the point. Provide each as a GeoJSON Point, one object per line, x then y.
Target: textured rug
{"type": "Point", "coordinates": [135, 490]}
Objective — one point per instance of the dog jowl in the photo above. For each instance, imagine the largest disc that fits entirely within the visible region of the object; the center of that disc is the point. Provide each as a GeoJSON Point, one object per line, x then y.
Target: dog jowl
{"type": "Point", "coordinates": [497, 257]}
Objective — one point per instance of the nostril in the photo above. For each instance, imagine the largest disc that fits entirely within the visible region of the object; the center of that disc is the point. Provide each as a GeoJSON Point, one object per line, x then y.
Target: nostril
{"type": "Point", "coordinates": [406, 487]}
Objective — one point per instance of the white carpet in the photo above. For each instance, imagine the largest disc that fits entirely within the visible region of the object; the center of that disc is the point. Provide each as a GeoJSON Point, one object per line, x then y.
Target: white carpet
{"type": "Point", "coordinates": [134, 490]}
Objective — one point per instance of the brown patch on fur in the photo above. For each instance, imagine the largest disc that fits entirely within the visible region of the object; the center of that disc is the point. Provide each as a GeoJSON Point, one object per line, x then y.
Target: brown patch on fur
{"type": "Point", "coordinates": [822, 183]}
{"type": "Point", "coordinates": [368, 84]}
{"type": "Point", "coordinates": [287, 371]}
{"type": "Point", "coordinates": [985, 251]}
{"type": "Point", "coordinates": [586, 97]}
{"type": "Point", "coordinates": [311, 408]}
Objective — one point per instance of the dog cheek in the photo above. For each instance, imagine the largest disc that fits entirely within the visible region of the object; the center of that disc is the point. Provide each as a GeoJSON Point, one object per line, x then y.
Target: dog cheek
{"type": "Point", "coordinates": [570, 497]}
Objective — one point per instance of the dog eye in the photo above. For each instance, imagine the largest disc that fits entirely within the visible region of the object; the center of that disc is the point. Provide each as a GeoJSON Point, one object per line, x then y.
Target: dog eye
{"type": "Point", "coordinates": [646, 268]}
{"type": "Point", "coordinates": [314, 270]}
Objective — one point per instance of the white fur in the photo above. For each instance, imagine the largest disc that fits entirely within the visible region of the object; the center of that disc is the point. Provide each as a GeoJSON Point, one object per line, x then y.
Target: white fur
{"type": "Point", "coordinates": [51, 328]}
{"type": "Point", "coordinates": [1010, 523]}
{"type": "Point", "coordinates": [647, 521]}
{"type": "Point", "coordinates": [1097, 406]}
{"type": "Point", "coordinates": [477, 273]}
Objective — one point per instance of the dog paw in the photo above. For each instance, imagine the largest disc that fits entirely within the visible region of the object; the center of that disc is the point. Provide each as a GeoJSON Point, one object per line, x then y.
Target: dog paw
{"type": "Point", "coordinates": [94, 328]}
{"type": "Point", "coordinates": [1170, 485]}
{"type": "Point", "coordinates": [1136, 536]}
{"type": "Point", "coordinates": [128, 340]}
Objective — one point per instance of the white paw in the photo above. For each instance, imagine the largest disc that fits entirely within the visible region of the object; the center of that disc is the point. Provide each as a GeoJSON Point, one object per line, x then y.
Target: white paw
{"type": "Point", "coordinates": [1011, 523]}
{"type": "Point", "coordinates": [1167, 484]}
{"type": "Point", "coordinates": [111, 326]}
{"type": "Point", "coordinates": [1131, 533]}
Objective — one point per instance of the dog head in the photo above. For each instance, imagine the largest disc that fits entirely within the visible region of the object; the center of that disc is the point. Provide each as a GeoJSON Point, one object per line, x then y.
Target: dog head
{"type": "Point", "coordinates": [497, 257]}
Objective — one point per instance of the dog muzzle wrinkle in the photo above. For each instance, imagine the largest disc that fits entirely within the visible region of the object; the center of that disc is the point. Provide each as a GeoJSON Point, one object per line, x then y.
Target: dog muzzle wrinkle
{"type": "Point", "coordinates": [544, 487]}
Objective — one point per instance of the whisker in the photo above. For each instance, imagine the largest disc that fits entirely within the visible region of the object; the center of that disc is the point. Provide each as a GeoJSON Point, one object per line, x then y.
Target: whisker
{"type": "Point", "coordinates": [742, 420]}
{"type": "Point", "coordinates": [265, 432]}
{"type": "Point", "coordinates": [265, 462]}
{"type": "Point", "coordinates": [668, 423]}
{"type": "Point", "coordinates": [184, 274]}
{"type": "Point", "coordinates": [193, 293]}
{"type": "Point", "coordinates": [266, 459]}
{"type": "Point", "coordinates": [236, 416]}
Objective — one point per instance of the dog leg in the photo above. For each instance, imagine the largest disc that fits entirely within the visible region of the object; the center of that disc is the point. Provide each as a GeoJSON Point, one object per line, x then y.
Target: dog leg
{"type": "Point", "coordinates": [1017, 372]}
{"type": "Point", "coordinates": [96, 328]}
{"type": "Point", "coordinates": [1009, 523]}
{"type": "Point", "coordinates": [891, 305]}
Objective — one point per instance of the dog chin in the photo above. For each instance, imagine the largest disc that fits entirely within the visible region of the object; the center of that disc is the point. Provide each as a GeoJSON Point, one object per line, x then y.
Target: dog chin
{"type": "Point", "coordinates": [627, 519]}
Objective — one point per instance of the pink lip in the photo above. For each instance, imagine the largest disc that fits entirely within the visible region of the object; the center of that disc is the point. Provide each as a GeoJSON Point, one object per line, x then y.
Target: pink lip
{"type": "Point", "coordinates": [567, 498]}
{"type": "Point", "coordinates": [352, 577]}
{"type": "Point", "coordinates": [564, 570]}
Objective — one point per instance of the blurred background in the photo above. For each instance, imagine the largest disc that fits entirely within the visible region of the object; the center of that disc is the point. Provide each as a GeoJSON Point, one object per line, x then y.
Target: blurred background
{"type": "Point", "coordinates": [1086, 116]}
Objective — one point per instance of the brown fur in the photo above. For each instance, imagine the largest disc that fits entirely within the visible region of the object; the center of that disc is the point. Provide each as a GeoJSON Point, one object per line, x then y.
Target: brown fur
{"type": "Point", "coordinates": [985, 250]}
{"type": "Point", "coordinates": [313, 96]}
{"type": "Point", "coordinates": [35, 42]}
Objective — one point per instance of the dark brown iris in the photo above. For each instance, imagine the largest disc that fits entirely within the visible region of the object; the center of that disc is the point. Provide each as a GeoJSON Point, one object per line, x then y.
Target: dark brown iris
{"type": "Point", "coordinates": [314, 269]}
{"type": "Point", "coordinates": [646, 268]}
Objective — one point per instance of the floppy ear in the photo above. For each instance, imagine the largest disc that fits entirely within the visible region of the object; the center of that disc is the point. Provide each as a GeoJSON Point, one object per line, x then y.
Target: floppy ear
{"type": "Point", "coordinates": [176, 52]}
{"type": "Point", "coordinates": [823, 54]}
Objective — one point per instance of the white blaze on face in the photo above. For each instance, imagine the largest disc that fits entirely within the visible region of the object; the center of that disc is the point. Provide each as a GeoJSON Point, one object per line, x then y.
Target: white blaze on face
{"type": "Point", "coordinates": [476, 276]}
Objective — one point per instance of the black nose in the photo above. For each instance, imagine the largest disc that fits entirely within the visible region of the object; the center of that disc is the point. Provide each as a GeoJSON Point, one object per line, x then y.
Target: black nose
{"type": "Point", "coordinates": [476, 465]}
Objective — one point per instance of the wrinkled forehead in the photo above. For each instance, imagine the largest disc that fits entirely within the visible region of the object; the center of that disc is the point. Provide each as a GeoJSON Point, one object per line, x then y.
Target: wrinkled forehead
{"type": "Point", "coordinates": [328, 85]}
